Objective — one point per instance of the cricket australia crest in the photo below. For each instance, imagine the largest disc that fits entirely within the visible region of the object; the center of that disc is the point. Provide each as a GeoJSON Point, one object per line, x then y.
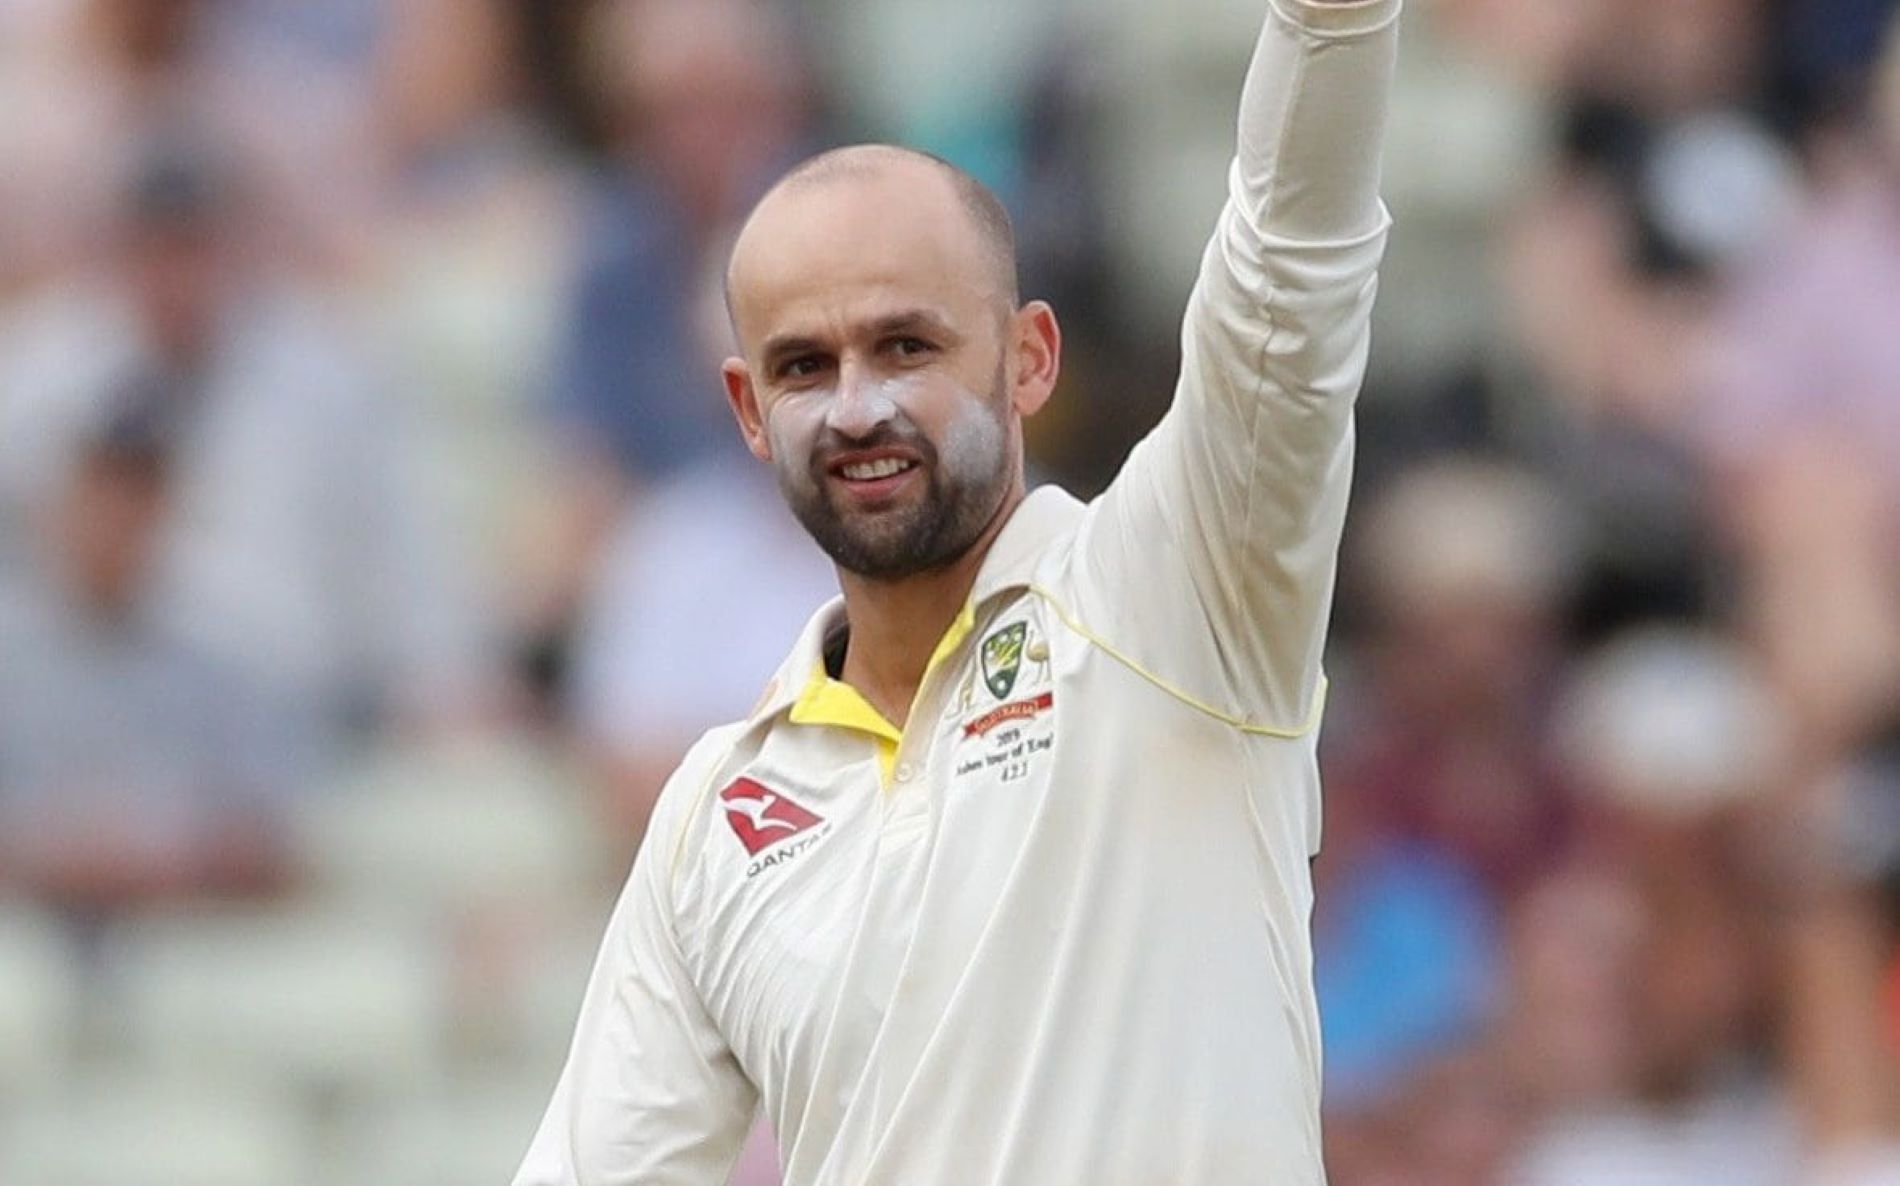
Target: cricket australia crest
{"type": "Point", "coordinates": [1003, 657]}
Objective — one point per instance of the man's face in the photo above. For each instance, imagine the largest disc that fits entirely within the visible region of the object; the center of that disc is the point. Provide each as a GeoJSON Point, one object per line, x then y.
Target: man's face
{"type": "Point", "coordinates": [877, 376]}
{"type": "Point", "coordinates": [897, 474]}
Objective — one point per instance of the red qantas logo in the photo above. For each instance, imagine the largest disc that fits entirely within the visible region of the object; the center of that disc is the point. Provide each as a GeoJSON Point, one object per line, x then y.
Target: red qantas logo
{"type": "Point", "coordinates": [762, 817]}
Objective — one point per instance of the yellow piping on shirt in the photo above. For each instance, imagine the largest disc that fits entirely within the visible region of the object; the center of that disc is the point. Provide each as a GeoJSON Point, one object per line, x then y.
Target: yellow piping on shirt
{"type": "Point", "coordinates": [1245, 726]}
{"type": "Point", "coordinates": [828, 701]}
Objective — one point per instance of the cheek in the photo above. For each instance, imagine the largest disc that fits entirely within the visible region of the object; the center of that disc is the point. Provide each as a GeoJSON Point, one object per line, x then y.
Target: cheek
{"type": "Point", "coordinates": [974, 440]}
{"type": "Point", "coordinates": [778, 438]}
{"type": "Point", "coordinates": [791, 426]}
{"type": "Point", "coordinates": [943, 409]}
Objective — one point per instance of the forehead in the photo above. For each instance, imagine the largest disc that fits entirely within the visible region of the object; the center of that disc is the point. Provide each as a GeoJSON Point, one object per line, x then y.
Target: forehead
{"type": "Point", "coordinates": [841, 251]}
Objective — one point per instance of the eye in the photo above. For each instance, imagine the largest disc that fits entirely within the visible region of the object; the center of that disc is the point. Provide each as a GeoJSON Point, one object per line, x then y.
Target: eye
{"type": "Point", "coordinates": [910, 347]}
{"type": "Point", "coordinates": [804, 366]}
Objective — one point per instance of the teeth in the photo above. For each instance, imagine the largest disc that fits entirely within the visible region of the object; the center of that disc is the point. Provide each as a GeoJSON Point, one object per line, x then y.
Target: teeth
{"type": "Point", "coordinates": [866, 471]}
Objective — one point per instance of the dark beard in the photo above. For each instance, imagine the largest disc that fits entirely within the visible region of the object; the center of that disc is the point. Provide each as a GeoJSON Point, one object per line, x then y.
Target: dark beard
{"type": "Point", "coordinates": [891, 545]}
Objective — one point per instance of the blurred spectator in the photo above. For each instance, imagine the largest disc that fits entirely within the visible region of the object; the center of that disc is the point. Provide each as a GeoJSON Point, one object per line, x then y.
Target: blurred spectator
{"type": "Point", "coordinates": [91, 80]}
{"type": "Point", "coordinates": [1826, 55]}
{"type": "Point", "coordinates": [965, 100]}
{"type": "Point", "coordinates": [301, 550]}
{"type": "Point", "coordinates": [1662, 57]}
{"type": "Point", "coordinates": [702, 102]}
{"type": "Point", "coordinates": [1466, 565]}
{"type": "Point", "coordinates": [701, 590]}
{"type": "Point", "coordinates": [1545, 42]}
{"type": "Point", "coordinates": [705, 102]}
{"type": "Point", "coordinates": [1646, 1086]}
{"type": "Point", "coordinates": [133, 764]}
{"type": "Point", "coordinates": [1803, 427]}
{"type": "Point", "coordinates": [1834, 872]}
{"type": "Point", "coordinates": [1679, 55]}
{"type": "Point", "coordinates": [1444, 804]}
{"type": "Point", "coordinates": [1649, 1036]}
{"type": "Point", "coordinates": [476, 240]}
{"type": "Point", "coordinates": [1614, 266]}
{"type": "Point", "coordinates": [1670, 725]}
{"type": "Point", "coordinates": [1111, 383]}
{"type": "Point", "coordinates": [1632, 1034]}
{"type": "Point", "coordinates": [1407, 964]}
{"type": "Point", "coordinates": [1802, 341]}
{"type": "Point", "coordinates": [1458, 1121]}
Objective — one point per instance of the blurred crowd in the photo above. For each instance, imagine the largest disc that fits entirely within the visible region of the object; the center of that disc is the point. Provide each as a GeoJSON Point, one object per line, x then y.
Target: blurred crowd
{"type": "Point", "coordinates": [374, 538]}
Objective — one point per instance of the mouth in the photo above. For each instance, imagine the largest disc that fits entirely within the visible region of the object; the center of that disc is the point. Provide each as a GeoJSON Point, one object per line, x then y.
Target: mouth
{"type": "Point", "coordinates": [874, 475]}
{"type": "Point", "coordinates": [871, 471]}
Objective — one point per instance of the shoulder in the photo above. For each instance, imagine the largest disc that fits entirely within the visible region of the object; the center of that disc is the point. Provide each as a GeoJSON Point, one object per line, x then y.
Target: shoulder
{"type": "Point", "coordinates": [680, 816]}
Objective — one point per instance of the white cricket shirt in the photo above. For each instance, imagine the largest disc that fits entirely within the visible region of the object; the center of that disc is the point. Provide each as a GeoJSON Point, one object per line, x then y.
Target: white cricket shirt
{"type": "Point", "coordinates": [1054, 932]}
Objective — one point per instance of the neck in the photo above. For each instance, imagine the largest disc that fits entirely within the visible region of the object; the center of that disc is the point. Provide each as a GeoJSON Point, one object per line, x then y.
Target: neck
{"type": "Point", "coordinates": [896, 625]}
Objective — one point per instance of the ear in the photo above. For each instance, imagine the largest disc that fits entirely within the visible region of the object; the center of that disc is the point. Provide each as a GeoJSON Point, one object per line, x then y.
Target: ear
{"type": "Point", "coordinates": [1036, 341]}
{"type": "Point", "coordinates": [745, 407]}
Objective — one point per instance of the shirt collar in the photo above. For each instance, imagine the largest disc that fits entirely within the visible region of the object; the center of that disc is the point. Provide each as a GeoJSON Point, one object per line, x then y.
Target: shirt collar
{"type": "Point", "coordinates": [1048, 514]}
{"type": "Point", "coordinates": [1043, 518]}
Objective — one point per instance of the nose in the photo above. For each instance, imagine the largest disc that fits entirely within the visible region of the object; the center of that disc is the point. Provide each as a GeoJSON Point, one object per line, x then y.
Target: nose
{"type": "Point", "coordinates": [862, 406]}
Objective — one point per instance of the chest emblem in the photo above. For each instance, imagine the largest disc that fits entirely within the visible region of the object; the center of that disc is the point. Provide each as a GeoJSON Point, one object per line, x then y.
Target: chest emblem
{"type": "Point", "coordinates": [1020, 710]}
{"type": "Point", "coordinates": [1002, 658]}
{"type": "Point", "coordinates": [761, 817]}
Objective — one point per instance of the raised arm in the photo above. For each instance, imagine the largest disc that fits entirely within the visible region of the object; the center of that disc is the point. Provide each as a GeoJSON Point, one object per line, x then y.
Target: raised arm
{"type": "Point", "coordinates": [651, 1095]}
{"type": "Point", "coordinates": [1225, 522]}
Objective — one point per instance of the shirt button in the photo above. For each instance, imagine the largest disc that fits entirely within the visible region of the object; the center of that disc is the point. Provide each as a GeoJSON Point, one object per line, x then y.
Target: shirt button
{"type": "Point", "coordinates": [905, 772]}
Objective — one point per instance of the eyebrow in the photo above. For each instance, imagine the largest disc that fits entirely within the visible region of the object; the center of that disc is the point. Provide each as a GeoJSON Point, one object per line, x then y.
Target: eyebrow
{"type": "Point", "coordinates": [908, 321]}
{"type": "Point", "coordinates": [780, 349]}
{"type": "Point", "coordinates": [912, 321]}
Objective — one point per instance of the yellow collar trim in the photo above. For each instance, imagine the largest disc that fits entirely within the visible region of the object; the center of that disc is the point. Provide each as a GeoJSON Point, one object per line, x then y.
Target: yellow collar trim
{"type": "Point", "coordinates": [828, 701]}
{"type": "Point", "coordinates": [960, 628]}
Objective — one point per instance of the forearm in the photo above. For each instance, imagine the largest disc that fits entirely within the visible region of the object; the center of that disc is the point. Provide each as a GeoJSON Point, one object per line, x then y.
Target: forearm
{"type": "Point", "coordinates": [1283, 312]}
{"type": "Point", "coordinates": [1312, 120]}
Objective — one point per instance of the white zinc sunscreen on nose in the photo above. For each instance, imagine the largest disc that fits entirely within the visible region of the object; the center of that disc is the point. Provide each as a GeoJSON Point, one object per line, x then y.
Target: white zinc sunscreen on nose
{"type": "Point", "coordinates": [866, 405]}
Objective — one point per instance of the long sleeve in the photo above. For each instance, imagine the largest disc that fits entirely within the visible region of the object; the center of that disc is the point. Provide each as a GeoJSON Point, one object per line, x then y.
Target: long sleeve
{"type": "Point", "coordinates": [1216, 546]}
{"type": "Point", "coordinates": [651, 1095]}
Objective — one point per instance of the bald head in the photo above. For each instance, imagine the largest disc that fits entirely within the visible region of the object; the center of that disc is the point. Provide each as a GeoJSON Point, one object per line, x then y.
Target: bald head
{"type": "Point", "coordinates": [900, 173]}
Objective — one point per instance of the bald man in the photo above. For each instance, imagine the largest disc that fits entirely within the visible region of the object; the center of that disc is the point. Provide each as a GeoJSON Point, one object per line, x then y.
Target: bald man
{"type": "Point", "coordinates": [1005, 880]}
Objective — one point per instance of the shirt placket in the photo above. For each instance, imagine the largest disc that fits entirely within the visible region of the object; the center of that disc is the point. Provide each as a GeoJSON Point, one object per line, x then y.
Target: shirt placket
{"type": "Point", "coordinates": [909, 800]}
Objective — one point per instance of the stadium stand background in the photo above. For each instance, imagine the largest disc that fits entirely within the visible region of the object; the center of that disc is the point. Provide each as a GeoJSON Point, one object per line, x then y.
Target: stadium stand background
{"type": "Point", "coordinates": [372, 539]}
